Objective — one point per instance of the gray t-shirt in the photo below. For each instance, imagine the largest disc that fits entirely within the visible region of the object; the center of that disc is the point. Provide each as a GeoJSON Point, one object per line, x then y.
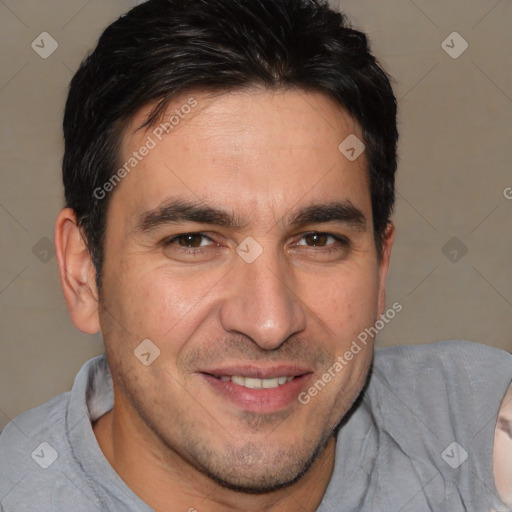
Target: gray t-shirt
{"type": "Point", "coordinates": [419, 439]}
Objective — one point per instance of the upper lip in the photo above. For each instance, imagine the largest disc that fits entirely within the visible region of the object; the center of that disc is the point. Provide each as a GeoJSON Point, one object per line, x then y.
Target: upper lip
{"type": "Point", "coordinates": [259, 372]}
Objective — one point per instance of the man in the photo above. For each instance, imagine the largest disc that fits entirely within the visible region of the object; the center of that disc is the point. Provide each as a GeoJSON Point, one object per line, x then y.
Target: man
{"type": "Point", "coordinates": [229, 179]}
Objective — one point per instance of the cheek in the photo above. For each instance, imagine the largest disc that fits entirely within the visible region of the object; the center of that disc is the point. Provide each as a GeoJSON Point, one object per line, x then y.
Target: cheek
{"type": "Point", "coordinates": [503, 465]}
{"type": "Point", "coordinates": [157, 304]}
{"type": "Point", "coordinates": [164, 305]}
{"type": "Point", "coordinates": [345, 300]}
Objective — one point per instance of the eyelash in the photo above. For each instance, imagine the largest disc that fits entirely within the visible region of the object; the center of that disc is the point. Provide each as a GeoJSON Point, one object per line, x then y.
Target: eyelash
{"type": "Point", "coordinates": [343, 241]}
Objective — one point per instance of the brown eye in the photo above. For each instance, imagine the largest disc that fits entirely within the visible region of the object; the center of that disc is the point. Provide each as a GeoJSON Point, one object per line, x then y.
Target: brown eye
{"type": "Point", "coordinates": [322, 247]}
{"type": "Point", "coordinates": [191, 240]}
{"type": "Point", "coordinates": [192, 248]}
{"type": "Point", "coordinates": [318, 239]}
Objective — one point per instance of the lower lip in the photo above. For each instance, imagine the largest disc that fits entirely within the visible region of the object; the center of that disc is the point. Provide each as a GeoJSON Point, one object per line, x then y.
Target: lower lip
{"type": "Point", "coordinates": [259, 400]}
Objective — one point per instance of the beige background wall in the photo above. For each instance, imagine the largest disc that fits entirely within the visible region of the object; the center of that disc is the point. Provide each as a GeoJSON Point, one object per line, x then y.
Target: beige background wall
{"type": "Point", "coordinates": [454, 176]}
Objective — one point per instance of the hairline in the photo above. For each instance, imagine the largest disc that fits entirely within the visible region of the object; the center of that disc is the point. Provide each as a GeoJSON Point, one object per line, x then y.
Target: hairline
{"type": "Point", "coordinates": [122, 126]}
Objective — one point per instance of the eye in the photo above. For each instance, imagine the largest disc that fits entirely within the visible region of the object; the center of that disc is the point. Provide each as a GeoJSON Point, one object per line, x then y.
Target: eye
{"type": "Point", "coordinates": [319, 239]}
{"type": "Point", "coordinates": [321, 247]}
{"type": "Point", "coordinates": [190, 241]}
{"type": "Point", "coordinates": [505, 425]}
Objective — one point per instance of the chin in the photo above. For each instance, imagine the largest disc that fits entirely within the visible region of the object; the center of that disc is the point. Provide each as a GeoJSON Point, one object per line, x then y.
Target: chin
{"type": "Point", "coordinates": [250, 470]}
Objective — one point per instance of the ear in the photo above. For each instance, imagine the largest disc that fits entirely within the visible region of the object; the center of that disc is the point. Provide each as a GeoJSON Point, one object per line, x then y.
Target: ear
{"type": "Point", "coordinates": [77, 273]}
{"type": "Point", "coordinates": [387, 244]}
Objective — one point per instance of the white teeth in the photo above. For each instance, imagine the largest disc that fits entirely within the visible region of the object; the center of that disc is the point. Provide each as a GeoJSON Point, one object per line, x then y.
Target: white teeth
{"type": "Point", "coordinates": [252, 383]}
{"type": "Point", "coordinates": [270, 383]}
{"type": "Point", "coordinates": [238, 380]}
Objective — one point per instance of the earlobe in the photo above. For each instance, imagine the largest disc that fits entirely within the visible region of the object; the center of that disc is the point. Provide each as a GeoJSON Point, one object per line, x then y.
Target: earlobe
{"type": "Point", "coordinates": [77, 273]}
{"type": "Point", "coordinates": [387, 244]}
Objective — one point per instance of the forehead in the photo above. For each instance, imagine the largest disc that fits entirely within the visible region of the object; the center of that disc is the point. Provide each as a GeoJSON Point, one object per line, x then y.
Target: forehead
{"type": "Point", "coordinates": [254, 149]}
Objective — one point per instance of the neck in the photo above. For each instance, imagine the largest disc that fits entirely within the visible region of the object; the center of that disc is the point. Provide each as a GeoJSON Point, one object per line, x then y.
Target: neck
{"type": "Point", "coordinates": [165, 481]}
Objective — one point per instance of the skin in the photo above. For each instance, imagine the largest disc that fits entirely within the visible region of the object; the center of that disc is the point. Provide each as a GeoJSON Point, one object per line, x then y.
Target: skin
{"type": "Point", "coordinates": [503, 449]}
{"type": "Point", "coordinates": [176, 441]}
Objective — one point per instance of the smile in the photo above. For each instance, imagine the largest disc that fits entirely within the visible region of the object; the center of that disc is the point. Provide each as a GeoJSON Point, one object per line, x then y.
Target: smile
{"type": "Point", "coordinates": [253, 383]}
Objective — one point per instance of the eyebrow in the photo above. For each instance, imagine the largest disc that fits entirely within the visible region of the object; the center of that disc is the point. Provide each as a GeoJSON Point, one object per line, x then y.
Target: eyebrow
{"type": "Point", "coordinates": [176, 211]}
{"type": "Point", "coordinates": [505, 425]}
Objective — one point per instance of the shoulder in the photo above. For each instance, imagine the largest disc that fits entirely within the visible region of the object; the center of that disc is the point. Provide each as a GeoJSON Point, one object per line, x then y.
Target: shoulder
{"type": "Point", "coordinates": [463, 355]}
{"type": "Point", "coordinates": [470, 369]}
{"type": "Point", "coordinates": [436, 408]}
{"type": "Point", "coordinates": [29, 445]}
{"type": "Point", "coordinates": [38, 462]}
{"type": "Point", "coordinates": [448, 386]}
{"type": "Point", "coordinates": [44, 420]}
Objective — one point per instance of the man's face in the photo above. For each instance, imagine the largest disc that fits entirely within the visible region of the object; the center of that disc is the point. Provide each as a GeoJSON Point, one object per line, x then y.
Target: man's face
{"type": "Point", "coordinates": [228, 305]}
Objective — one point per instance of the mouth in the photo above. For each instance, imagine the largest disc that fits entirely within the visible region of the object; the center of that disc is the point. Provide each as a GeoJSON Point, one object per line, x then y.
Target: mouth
{"type": "Point", "coordinates": [255, 389]}
{"type": "Point", "coordinates": [254, 383]}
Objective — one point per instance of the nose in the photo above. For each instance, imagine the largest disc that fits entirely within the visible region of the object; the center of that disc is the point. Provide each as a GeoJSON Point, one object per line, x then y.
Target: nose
{"type": "Point", "coordinates": [262, 302]}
